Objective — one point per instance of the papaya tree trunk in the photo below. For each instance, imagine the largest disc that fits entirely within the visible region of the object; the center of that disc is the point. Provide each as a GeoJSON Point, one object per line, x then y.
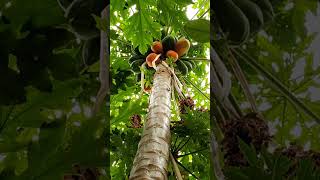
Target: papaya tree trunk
{"type": "Point", "coordinates": [152, 157]}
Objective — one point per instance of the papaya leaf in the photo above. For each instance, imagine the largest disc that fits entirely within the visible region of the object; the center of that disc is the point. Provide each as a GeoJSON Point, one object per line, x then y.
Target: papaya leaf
{"type": "Point", "coordinates": [199, 30]}
{"type": "Point", "coordinates": [140, 28]}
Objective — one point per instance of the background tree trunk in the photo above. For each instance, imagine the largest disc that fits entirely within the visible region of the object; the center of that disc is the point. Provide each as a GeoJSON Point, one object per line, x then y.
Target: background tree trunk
{"type": "Point", "coordinates": [151, 160]}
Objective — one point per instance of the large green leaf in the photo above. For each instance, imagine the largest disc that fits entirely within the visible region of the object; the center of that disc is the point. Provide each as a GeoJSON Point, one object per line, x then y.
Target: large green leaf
{"type": "Point", "coordinates": [199, 30]}
{"type": "Point", "coordinates": [140, 28]}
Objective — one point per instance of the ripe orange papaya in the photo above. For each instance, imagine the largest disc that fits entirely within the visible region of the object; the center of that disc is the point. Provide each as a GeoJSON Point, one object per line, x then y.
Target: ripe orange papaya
{"type": "Point", "coordinates": [174, 55]}
{"type": "Point", "coordinates": [182, 46]}
{"type": "Point", "coordinates": [156, 47]}
{"type": "Point", "coordinates": [150, 58]}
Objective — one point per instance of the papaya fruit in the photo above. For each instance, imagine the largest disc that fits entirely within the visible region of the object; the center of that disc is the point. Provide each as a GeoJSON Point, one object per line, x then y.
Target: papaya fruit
{"type": "Point", "coordinates": [182, 46]}
{"type": "Point", "coordinates": [163, 33]}
{"type": "Point", "coordinates": [266, 8]}
{"type": "Point", "coordinates": [148, 51]}
{"type": "Point", "coordinates": [150, 58]}
{"type": "Point", "coordinates": [135, 65]}
{"type": "Point", "coordinates": [156, 47]}
{"type": "Point", "coordinates": [173, 55]}
{"type": "Point", "coordinates": [188, 64]}
{"type": "Point", "coordinates": [135, 57]}
{"type": "Point", "coordinates": [265, 5]}
{"type": "Point", "coordinates": [252, 12]}
{"type": "Point", "coordinates": [182, 67]}
{"type": "Point", "coordinates": [136, 51]}
{"type": "Point", "coordinates": [267, 16]}
{"type": "Point", "coordinates": [168, 43]}
{"type": "Point", "coordinates": [232, 20]}
{"type": "Point", "coordinates": [194, 64]}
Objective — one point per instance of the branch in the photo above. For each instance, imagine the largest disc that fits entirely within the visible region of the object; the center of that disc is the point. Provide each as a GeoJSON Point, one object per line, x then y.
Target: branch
{"type": "Point", "coordinates": [178, 145]}
{"type": "Point", "coordinates": [195, 59]}
{"type": "Point", "coordinates": [216, 109]}
{"type": "Point", "coordinates": [179, 156]}
{"type": "Point", "coordinates": [119, 28]}
{"type": "Point", "coordinates": [204, 2]}
{"type": "Point", "coordinates": [67, 11]}
{"type": "Point", "coordinates": [104, 65]}
{"type": "Point", "coordinates": [196, 88]}
{"type": "Point", "coordinates": [179, 148]}
{"type": "Point", "coordinates": [215, 158]}
{"type": "Point", "coordinates": [7, 118]}
{"type": "Point", "coordinates": [61, 6]}
{"type": "Point", "coordinates": [218, 94]}
{"type": "Point", "coordinates": [175, 167]}
{"type": "Point", "coordinates": [175, 142]}
{"type": "Point", "coordinates": [235, 104]}
{"type": "Point", "coordinates": [243, 81]}
{"type": "Point", "coordinates": [222, 71]}
{"type": "Point", "coordinates": [187, 170]}
{"type": "Point", "coordinates": [204, 13]}
{"type": "Point", "coordinates": [225, 52]}
{"type": "Point", "coordinates": [277, 84]}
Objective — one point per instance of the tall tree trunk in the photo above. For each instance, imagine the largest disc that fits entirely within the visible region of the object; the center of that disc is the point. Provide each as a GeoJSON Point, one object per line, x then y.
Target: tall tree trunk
{"type": "Point", "coordinates": [152, 157]}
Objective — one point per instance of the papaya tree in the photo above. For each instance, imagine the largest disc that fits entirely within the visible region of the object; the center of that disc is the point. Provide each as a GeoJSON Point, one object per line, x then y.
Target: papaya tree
{"type": "Point", "coordinates": [160, 64]}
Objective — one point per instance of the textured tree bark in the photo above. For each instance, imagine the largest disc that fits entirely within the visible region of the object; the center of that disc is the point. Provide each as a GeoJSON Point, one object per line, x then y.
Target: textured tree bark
{"type": "Point", "coordinates": [152, 157]}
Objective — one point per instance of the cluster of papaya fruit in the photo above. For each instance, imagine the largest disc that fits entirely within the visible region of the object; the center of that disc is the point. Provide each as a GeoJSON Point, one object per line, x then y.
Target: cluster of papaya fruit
{"type": "Point", "coordinates": [168, 47]}
{"type": "Point", "coordinates": [239, 19]}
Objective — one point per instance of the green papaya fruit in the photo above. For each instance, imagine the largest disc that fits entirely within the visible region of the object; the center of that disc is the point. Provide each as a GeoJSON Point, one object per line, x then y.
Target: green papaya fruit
{"type": "Point", "coordinates": [194, 64]}
{"type": "Point", "coordinates": [168, 43]}
{"type": "Point", "coordinates": [188, 64]}
{"type": "Point", "coordinates": [182, 67]}
{"type": "Point", "coordinates": [267, 9]}
{"type": "Point", "coordinates": [135, 65]}
{"type": "Point", "coordinates": [135, 57]}
{"type": "Point", "coordinates": [163, 33]}
{"type": "Point", "coordinates": [148, 52]}
{"type": "Point", "coordinates": [252, 12]}
{"type": "Point", "coordinates": [232, 20]}
{"type": "Point", "coordinates": [267, 16]}
{"type": "Point", "coordinates": [136, 51]}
